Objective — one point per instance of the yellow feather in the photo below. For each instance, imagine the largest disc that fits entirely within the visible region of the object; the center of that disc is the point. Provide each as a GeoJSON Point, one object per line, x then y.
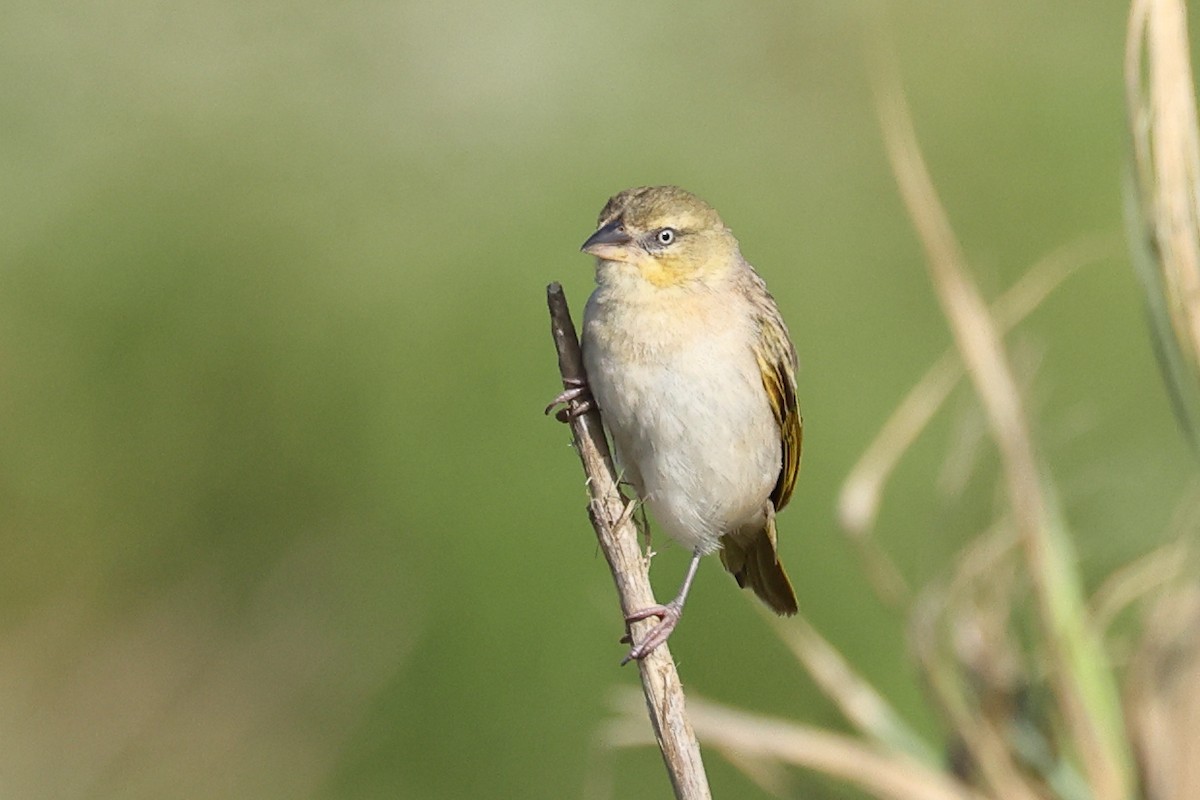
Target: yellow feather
{"type": "Point", "coordinates": [776, 361]}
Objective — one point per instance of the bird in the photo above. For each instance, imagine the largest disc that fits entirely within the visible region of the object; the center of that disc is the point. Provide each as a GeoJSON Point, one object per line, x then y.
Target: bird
{"type": "Point", "coordinates": [692, 368]}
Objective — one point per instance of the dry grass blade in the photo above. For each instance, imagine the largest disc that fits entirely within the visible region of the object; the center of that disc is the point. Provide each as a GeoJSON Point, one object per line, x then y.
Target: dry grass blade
{"type": "Point", "coordinates": [979, 734]}
{"type": "Point", "coordinates": [1163, 205]}
{"type": "Point", "coordinates": [768, 774]}
{"type": "Point", "coordinates": [864, 707]}
{"type": "Point", "coordinates": [1130, 583]}
{"type": "Point", "coordinates": [741, 735]}
{"type": "Point", "coordinates": [1164, 698]}
{"type": "Point", "coordinates": [1080, 673]}
{"type": "Point", "coordinates": [862, 491]}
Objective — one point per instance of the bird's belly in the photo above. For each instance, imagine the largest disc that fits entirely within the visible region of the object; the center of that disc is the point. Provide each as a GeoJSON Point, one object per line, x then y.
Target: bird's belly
{"type": "Point", "coordinates": [698, 438]}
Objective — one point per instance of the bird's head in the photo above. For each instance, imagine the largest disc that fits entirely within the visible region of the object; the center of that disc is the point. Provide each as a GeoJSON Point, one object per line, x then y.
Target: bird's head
{"type": "Point", "coordinates": [668, 235]}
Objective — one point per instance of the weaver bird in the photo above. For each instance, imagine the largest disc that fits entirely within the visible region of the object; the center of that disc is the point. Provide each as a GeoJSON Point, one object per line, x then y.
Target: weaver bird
{"type": "Point", "coordinates": [692, 368]}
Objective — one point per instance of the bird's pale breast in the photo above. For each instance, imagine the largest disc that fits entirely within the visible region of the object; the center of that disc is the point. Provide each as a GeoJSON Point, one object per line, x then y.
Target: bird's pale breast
{"type": "Point", "coordinates": [682, 395]}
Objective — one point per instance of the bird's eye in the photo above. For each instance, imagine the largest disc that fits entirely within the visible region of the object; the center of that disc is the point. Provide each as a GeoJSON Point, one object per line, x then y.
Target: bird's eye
{"type": "Point", "coordinates": [665, 236]}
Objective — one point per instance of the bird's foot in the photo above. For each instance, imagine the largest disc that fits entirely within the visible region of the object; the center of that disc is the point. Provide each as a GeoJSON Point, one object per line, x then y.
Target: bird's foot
{"type": "Point", "coordinates": [576, 399]}
{"type": "Point", "coordinates": [668, 617]}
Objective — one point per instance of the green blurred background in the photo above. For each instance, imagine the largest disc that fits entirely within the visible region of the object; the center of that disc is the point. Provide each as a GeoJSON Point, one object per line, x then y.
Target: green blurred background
{"type": "Point", "coordinates": [280, 514]}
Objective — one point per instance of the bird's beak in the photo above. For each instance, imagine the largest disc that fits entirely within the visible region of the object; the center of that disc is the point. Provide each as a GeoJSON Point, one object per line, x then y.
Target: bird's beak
{"type": "Point", "coordinates": [608, 242]}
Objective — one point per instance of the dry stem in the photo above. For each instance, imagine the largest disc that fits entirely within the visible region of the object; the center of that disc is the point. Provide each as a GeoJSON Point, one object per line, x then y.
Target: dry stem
{"type": "Point", "coordinates": [766, 741]}
{"type": "Point", "coordinates": [617, 536]}
{"type": "Point", "coordinates": [1084, 689]}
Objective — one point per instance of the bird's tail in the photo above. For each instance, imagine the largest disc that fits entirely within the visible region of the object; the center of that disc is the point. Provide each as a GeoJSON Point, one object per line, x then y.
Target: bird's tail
{"type": "Point", "coordinates": [751, 557]}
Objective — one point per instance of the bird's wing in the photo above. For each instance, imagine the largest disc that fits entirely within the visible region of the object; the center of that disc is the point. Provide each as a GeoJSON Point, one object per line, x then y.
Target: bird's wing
{"type": "Point", "coordinates": [777, 362]}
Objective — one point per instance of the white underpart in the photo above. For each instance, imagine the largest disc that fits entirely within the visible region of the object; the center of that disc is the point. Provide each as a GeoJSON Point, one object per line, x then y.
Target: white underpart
{"type": "Point", "coordinates": [680, 391]}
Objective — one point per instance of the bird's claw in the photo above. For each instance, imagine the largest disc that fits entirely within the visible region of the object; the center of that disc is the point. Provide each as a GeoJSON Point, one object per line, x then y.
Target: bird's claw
{"type": "Point", "coordinates": [668, 616]}
{"type": "Point", "coordinates": [576, 398]}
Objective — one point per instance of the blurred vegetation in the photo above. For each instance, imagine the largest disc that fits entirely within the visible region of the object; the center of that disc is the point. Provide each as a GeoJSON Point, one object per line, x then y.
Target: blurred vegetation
{"type": "Point", "coordinates": [280, 513]}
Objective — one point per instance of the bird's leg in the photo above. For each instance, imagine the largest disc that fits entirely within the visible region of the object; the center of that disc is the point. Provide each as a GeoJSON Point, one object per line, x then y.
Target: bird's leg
{"type": "Point", "coordinates": [576, 398]}
{"type": "Point", "coordinates": [668, 616]}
